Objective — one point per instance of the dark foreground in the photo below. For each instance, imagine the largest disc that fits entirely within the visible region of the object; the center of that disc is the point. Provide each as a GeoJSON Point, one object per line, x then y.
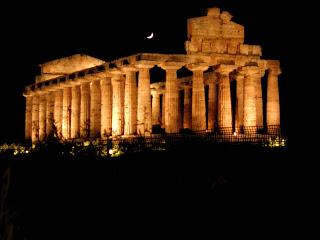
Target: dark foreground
{"type": "Point", "coordinates": [149, 194]}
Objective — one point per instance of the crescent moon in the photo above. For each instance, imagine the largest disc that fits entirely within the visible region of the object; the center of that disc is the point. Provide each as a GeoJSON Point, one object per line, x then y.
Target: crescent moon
{"type": "Point", "coordinates": [151, 36]}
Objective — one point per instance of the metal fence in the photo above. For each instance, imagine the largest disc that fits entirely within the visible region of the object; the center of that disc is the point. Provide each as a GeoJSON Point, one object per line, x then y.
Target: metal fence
{"type": "Point", "coordinates": [270, 136]}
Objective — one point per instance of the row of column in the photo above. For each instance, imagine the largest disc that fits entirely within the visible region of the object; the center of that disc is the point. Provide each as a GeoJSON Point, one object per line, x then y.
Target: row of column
{"type": "Point", "coordinates": [116, 105]}
{"type": "Point", "coordinates": [249, 102]}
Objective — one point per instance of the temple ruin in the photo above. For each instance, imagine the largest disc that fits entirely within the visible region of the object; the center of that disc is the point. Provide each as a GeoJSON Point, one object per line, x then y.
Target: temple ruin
{"type": "Point", "coordinates": [85, 97]}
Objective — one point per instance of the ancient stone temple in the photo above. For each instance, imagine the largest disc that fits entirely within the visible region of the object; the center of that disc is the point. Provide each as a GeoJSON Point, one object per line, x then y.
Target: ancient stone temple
{"type": "Point", "coordinates": [216, 85]}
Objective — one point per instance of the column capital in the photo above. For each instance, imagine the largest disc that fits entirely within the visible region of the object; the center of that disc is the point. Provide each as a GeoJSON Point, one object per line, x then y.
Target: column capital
{"type": "Point", "coordinates": [143, 64]}
{"type": "Point", "coordinates": [115, 71]}
{"type": "Point", "coordinates": [197, 66]}
{"type": "Point", "coordinates": [171, 65]}
{"type": "Point", "coordinates": [126, 69]}
{"type": "Point", "coordinates": [251, 70]}
{"type": "Point", "coordinates": [275, 71]}
{"type": "Point", "coordinates": [225, 69]}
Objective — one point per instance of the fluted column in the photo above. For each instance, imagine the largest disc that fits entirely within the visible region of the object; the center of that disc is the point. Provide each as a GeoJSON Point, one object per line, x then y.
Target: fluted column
{"type": "Point", "coordinates": [187, 104]}
{"type": "Point", "coordinates": [50, 114]}
{"type": "Point", "coordinates": [75, 111]}
{"type": "Point", "coordinates": [85, 110]}
{"type": "Point", "coordinates": [144, 123]}
{"type": "Point", "coordinates": [259, 102]}
{"type": "Point", "coordinates": [239, 102]}
{"type": "Point", "coordinates": [156, 108]}
{"type": "Point", "coordinates": [212, 101]}
{"type": "Point", "coordinates": [58, 98]}
{"type": "Point", "coordinates": [95, 109]}
{"type": "Point", "coordinates": [116, 104]}
{"type": "Point", "coordinates": [273, 104]}
{"type": "Point", "coordinates": [180, 110]}
{"type": "Point", "coordinates": [35, 118]}
{"type": "Point", "coordinates": [249, 100]}
{"type": "Point", "coordinates": [28, 118]}
{"type": "Point", "coordinates": [66, 113]}
{"type": "Point", "coordinates": [171, 98]}
{"type": "Point", "coordinates": [198, 122]}
{"type": "Point", "coordinates": [130, 101]}
{"type": "Point", "coordinates": [224, 96]}
{"type": "Point", "coordinates": [106, 107]}
{"type": "Point", "coordinates": [163, 110]}
{"type": "Point", "coordinates": [42, 116]}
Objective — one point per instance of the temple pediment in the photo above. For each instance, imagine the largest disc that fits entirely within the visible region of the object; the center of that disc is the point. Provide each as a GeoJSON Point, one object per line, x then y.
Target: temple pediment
{"type": "Point", "coordinates": [67, 65]}
{"type": "Point", "coordinates": [215, 33]}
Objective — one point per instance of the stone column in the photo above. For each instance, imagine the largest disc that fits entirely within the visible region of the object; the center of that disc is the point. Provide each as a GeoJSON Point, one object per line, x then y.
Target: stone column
{"type": "Point", "coordinates": [58, 98]}
{"type": "Point", "coordinates": [144, 124]}
{"type": "Point", "coordinates": [42, 116]}
{"type": "Point", "coordinates": [187, 104]}
{"type": "Point", "coordinates": [273, 104]}
{"type": "Point", "coordinates": [259, 102]}
{"type": "Point", "coordinates": [239, 102]}
{"type": "Point", "coordinates": [95, 110]}
{"type": "Point", "coordinates": [28, 118]}
{"type": "Point", "coordinates": [163, 110]}
{"type": "Point", "coordinates": [171, 98]}
{"type": "Point", "coordinates": [66, 113]}
{"type": "Point", "coordinates": [224, 97]}
{"type": "Point", "coordinates": [249, 100]}
{"type": "Point", "coordinates": [106, 107]}
{"type": "Point", "coordinates": [116, 104]}
{"type": "Point", "coordinates": [198, 122]}
{"type": "Point", "coordinates": [130, 101]}
{"type": "Point", "coordinates": [212, 101]}
{"type": "Point", "coordinates": [180, 110]}
{"type": "Point", "coordinates": [50, 113]}
{"type": "Point", "coordinates": [85, 110]}
{"type": "Point", "coordinates": [75, 111]}
{"type": "Point", "coordinates": [35, 118]}
{"type": "Point", "coordinates": [155, 108]}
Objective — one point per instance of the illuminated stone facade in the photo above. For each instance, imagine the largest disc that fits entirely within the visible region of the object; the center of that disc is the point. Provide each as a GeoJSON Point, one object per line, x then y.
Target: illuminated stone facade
{"type": "Point", "coordinates": [81, 96]}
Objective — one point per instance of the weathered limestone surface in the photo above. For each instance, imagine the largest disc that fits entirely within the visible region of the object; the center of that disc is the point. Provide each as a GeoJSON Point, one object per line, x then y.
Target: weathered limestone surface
{"type": "Point", "coordinates": [35, 118]}
{"type": "Point", "coordinates": [116, 104]}
{"type": "Point", "coordinates": [106, 107]}
{"type": "Point", "coordinates": [95, 109]}
{"type": "Point", "coordinates": [273, 104]}
{"type": "Point", "coordinates": [42, 116]}
{"type": "Point", "coordinates": [156, 108]}
{"type": "Point", "coordinates": [144, 124]}
{"type": "Point", "coordinates": [67, 65]}
{"type": "Point", "coordinates": [171, 99]}
{"type": "Point", "coordinates": [50, 113]}
{"type": "Point", "coordinates": [259, 101]}
{"type": "Point", "coordinates": [28, 116]}
{"type": "Point", "coordinates": [224, 96]}
{"type": "Point", "coordinates": [58, 98]}
{"type": "Point", "coordinates": [239, 101]}
{"type": "Point", "coordinates": [187, 105]}
{"type": "Point", "coordinates": [122, 93]}
{"type": "Point", "coordinates": [212, 101]}
{"type": "Point", "coordinates": [66, 113]}
{"type": "Point", "coordinates": [75, 113]}
{"type": "Point", "coordinates": [163, 110]}
{"type": "Point", "coordinates": [249, 101]}
{"type": "Point", "coordinates": [198, 122]}
{"type": "Point", "coordinates": [85, 110]}
{"type": "Point", "coordinates": [130, 102]}
{"type": "Point", "coordinates": [214, 33]}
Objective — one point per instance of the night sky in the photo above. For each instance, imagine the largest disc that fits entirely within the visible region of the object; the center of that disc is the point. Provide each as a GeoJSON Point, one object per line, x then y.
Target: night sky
{"type": "Point", "coordinates": [32, 34]}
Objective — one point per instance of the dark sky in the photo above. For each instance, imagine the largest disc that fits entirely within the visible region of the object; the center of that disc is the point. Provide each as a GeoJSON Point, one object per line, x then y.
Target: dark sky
{"type": "Point", "coordinates": [33, 33]}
